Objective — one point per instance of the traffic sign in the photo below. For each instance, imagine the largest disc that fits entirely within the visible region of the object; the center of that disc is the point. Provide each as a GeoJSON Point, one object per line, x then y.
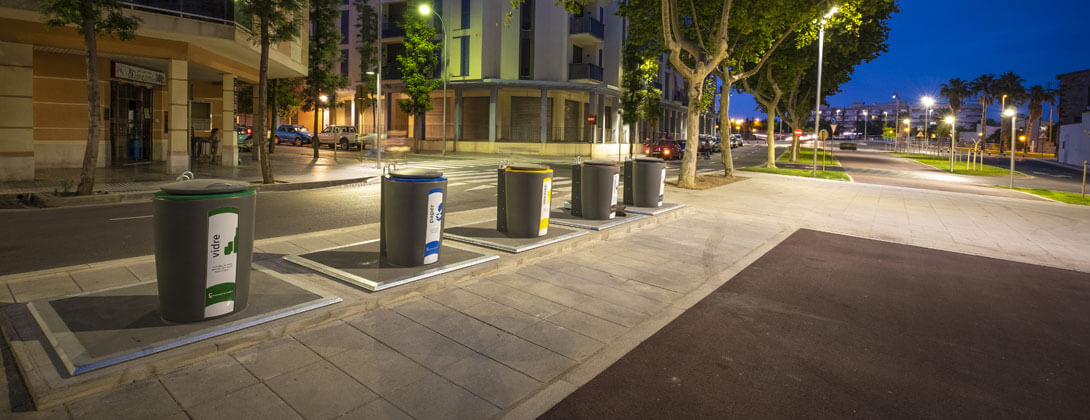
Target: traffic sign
{"type": "Point", "coordinates": [798, 131]}
{"type": "Point", "coordinates": [592, 119]}
{"type": "Point", "coordinates": [823, 134]}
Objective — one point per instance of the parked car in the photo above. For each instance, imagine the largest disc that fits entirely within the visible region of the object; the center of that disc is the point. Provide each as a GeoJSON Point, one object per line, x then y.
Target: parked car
{"type": "Point", "coordinates": [342, 136]}
{"type": "Point", "coordinates": [245, 137]}
{"type": "Point", "coordinates": [295, 134]}
{"type": "Point", "coordinates": [665, 148]}
{"type": "Point", "coordinates": [735, 140]}
{"type": "Point", "coordinates": [710, 144]}
{"type": "Point", "coordinates": [845, 145]}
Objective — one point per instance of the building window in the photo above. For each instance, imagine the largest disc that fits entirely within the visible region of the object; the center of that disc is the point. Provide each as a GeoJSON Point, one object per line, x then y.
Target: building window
{"type": "Point", "coordinates": [463, 50]}
{"type": "Point", "coordinates": [465, 14]}
{"type": "Point", "coordinates": [344, 62]}
{"type": "Point", "coordinates": [344, 26]}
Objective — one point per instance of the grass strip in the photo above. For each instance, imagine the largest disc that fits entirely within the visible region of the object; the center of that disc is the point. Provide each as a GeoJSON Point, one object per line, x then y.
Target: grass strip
{"type": "Point", "coordinates": [806, 173]}
{"type": "Point", "coordinates": [806, 155]}
{"type": "Point", "coordinates": [1061, 196]}
{"type": "Point", "coordinates": [943, 164]}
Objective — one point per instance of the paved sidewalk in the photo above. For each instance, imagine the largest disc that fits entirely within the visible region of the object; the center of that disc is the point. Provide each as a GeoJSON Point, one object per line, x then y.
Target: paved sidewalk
{"type": "Point", "coordinates": [516, 336]}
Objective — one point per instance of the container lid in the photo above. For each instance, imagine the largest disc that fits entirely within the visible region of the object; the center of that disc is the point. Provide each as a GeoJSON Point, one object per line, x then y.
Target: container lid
{"type": "Point", "coordinates": [649, 159]}
{"type": "Point", "coordinates": [205, 187]}
{"type": "Point", "coordinates": [527, 167]}
{"type": "Point", "coordinates": [599, 163]}
{"type": "Point", "coordinates": [414, 173]}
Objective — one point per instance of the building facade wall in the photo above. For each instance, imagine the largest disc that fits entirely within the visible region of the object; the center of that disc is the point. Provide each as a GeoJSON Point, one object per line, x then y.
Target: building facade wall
{"type": "Point", "coordinates": [1074, 96]}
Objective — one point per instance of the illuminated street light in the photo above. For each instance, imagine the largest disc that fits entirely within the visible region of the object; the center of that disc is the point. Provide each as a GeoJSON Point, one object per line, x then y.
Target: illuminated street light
{"type": "Point", "coordinates": [323, 98]}
{"type": "Point", "coordinates": [1013, 115]}
{"type": "Point", "coordinates": [927, 102]}
{"type": "Point", "coordinates": [817, 102]}
{"type": "Point", "coordinates": [425, 10]}
{"type": "Point", "coordinates": [865, 125]}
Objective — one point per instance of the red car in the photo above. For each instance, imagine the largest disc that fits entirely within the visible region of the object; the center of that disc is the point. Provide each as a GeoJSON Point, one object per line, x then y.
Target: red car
{"type": "Point", "coordinates": [665, 149]}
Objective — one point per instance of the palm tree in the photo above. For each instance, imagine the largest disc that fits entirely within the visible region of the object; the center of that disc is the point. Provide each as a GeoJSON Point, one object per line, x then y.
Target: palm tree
{"type": "Point", "coordinates": [1009, 86]}
{"type": "Point", "coordinates": [955, 91]}
{"type": "Point", "coordinates": [984, 89]}
{"type": "Point", "coordinates": [1037, 96]}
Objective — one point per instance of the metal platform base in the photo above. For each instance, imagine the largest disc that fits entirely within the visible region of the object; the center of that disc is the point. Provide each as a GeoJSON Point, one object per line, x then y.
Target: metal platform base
{"type": "Point", "coordinates": [485, 234]}
{"type": "Point", "coordinates": [564, 217]}
{"type": "Point", "coordinates": [361, 265]}
{"type": "Point", "coordinates": [653, 211]}
{"type": "Point", "coordinates": [95, 330]}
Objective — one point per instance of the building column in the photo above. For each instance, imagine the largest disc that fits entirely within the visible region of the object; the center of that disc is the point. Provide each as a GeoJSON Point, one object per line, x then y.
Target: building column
{"type": "Point", "coordinates": [544, 115]}
{"type": "Point", "coordinates": [599, 127]}
{"type": "Point", "coordinates": [228, 135]}
{"type": "Point", "coordinates": [592, 107]}
{"type": "Point", "coordinates": [17, 119]}
{"type": "Point", "coordinates": [616, 121]}
{"type": "Point", "coordinates": [177, 153]}
{"type": "Point", "coordinates": [457, 114]}
{"type": "Point", "coordinates": [493, 99]}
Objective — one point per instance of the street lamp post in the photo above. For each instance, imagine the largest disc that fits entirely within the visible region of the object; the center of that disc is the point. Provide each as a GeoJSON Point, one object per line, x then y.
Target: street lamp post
{"type": "Point", "coordinates": [425, 10]}
{"type": "Point", "coordinates": [817, 105]}
{"type": "Point", "coordinates": [953, 135]}
{"type": "Point", "coordinates": [378, 93]}
{"type": "Point", "coordinates": [908, 133]}
{"type": "Point", "coordinates": [865, 125]}
{"type": "Point", "coordinates": [1010, 112]}
{"type": "Point", "coordinates": [927, 102]}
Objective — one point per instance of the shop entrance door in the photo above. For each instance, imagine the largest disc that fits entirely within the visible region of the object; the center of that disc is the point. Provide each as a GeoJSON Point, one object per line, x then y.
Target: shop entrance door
{"type": "Point", "coordinates": [130, 124]}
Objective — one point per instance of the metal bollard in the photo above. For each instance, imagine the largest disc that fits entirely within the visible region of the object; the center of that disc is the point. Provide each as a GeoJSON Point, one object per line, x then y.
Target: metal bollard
{"type": "Point", "coordinates": [1084, 179]}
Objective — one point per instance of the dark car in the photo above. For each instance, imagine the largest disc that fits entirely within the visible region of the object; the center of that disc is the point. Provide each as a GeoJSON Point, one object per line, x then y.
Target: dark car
{"type": "Point", "coordinates": [245, 137]}
{"type": "Point", "coordinates": [665, 149]}
{"type": "Point", "coordinates": [295, 134]}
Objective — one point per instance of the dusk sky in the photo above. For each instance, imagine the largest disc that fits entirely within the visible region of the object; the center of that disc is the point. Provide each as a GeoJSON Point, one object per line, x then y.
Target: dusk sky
{"type": "Point", "coordinates": [932, 41]}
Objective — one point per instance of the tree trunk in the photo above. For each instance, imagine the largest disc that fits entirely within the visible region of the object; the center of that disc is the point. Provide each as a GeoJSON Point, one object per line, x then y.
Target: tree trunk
{"type": "Point", "coordinates": [261, 125]}
{"type": "Point", "coordinates": [983, 123]}
{"type": "Point", "coordinates": [94, 111]}
{"type": "Point", "coordinates": [631, 137]}
{"type": "Point", "coordinates": [314, 142]}
{"type": "Point", "coordinates": [274, 114]}
{"type": "Point", "coordinates": [727, 155]}
{"type": "Point", "coordinates": [771, 138]}
{"type": "Point", "coordinates": [687, 175]}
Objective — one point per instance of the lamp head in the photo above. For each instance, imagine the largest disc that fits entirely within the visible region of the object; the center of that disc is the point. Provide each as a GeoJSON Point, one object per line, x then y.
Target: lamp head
{"type": "Point", "coordinates": [864, 112]}
{"type": "Point", "coordinates": [949, 119]}
{"type": "Point", "coordinates": [1009, 112]}
{"type": "Point", "coordinates": [831, 12]}
{"type": "Point", "coordinates": [927, 101]}
{"type": "Point", "coordinates": [908, 121]}
{"type": "Point", "coordinates": [323, 98]}
{"type": "Point", "coordinates": [424, 9]}
{"type": "Point", "coordinates": [370, 73]}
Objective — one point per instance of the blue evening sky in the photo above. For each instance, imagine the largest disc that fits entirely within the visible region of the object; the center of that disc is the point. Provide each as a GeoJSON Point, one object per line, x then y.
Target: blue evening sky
{"type": "Point", "coordinates": [932, 41]}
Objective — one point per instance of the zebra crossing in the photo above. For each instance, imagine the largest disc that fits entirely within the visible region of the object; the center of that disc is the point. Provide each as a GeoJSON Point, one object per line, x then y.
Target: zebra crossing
{"type": "Point", "coordinates": [477, 174]}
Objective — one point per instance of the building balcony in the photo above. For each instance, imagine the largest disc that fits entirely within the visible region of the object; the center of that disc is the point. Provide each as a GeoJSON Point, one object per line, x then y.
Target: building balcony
{"type": "Point", "coordinates": [392, 30]}
{"type": "Point", "coordinates": [215, 11]}
{"type": "Point", "coordinates": [391, 71]}
{"type": "Point", "coordinates": [585, 72]}
{"type": "Point", "coordinates": [586, 30]}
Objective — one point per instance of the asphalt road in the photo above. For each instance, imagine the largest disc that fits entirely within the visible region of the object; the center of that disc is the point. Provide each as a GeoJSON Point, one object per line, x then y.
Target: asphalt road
{"type": "Point", "coordinates": [37, 239]}
{"type": "Point", "coordinates": [877, 167]}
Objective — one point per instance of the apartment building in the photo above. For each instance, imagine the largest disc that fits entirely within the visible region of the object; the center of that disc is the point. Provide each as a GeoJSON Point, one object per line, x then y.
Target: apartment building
{"type": "Point", "coordinates": [540, 81]}
{"type": "Point", "coordinates": [177, 79]}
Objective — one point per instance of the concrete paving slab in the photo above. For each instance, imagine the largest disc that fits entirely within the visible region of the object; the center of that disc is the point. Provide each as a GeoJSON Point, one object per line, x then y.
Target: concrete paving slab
{"type": "Point", "coordinates": [466, 330]}
{"type": "Point", "coordinates": [501, 316]}
{"type": "Point", "coordinates": [587, 324]}
{"type": "Point", "coordinates": [333, 339]}
{"type": "Point", "coordinates": [208, 380]}
{"type": "Point", "coordinates": [422, 310]}
{"type": "Point", "coordinates": [144, 271]}
{"type": "Point", "coordinates": [436, 398]}
{"type": "Point", "coordinates": [456, 298]}
{"type": "Point", "coordinates": [490, 380]}
{"type": "Point", "coordinates": [653, 211]}
{"type": "Point", "coordinates": [529, 358]}
{"type": "Point", "coordinates": [256, 401]}
{"type": "Point", "coordinates": [377, 409]}
{"type": "Point", "coordinates": [379, 367]}
{"type": "Point", "coordinates": [145, 399]}
{"type": "Point", "coordinates": [560, 340]}
{"type": "Point", "coordinates": [97, 279]}
{"type": "Point", "coordinates": [276, 357]}
{"type": "Point", "coordinates": [426, 347]}
{"type": "Point", "coordinates": [53, 285]}
{"type": "Point", "coordinates": [320, 391]}
{"type": "Point", "coordinates": [494, 289]}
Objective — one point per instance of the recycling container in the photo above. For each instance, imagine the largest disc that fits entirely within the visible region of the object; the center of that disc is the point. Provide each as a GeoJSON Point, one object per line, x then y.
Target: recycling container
{"type": "Point", "coordinates": [599, 189]}
{"type": "Point", "coordinates": [204, 237]}
{"type": "Point", "coordinates": [411, 222]}
{"type": "Point", "coordinates": [648, 182]}
{"type": "Point", "coordinates": [528, 191]}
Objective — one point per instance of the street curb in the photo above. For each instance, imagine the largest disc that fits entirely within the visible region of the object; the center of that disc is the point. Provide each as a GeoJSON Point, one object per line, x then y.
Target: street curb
{"type": "Point", "coordinates": [50, 201]}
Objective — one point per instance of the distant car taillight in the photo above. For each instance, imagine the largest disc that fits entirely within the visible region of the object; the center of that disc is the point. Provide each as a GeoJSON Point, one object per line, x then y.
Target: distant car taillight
{"type": "Point", "coordinates": [249, 131]}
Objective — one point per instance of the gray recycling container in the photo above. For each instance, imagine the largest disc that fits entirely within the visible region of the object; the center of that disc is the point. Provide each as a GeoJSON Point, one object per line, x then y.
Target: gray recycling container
{"type": "Point", "coordinates": [204, 240]}
{"type": "Point", "coordinates": [411, 220]}
{"type": "Point", "coordinates": [528, 191]}
{"type": "Point", "coordinates": [599, 189]}
{"type": "Point", "coordinates": [648, 182]}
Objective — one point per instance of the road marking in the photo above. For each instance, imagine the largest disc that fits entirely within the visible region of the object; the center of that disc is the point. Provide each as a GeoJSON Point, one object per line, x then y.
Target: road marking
{"type": "Point", "coordinates": [482, 187]}
{"type": "Point", "coordinates": [130, 218]}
